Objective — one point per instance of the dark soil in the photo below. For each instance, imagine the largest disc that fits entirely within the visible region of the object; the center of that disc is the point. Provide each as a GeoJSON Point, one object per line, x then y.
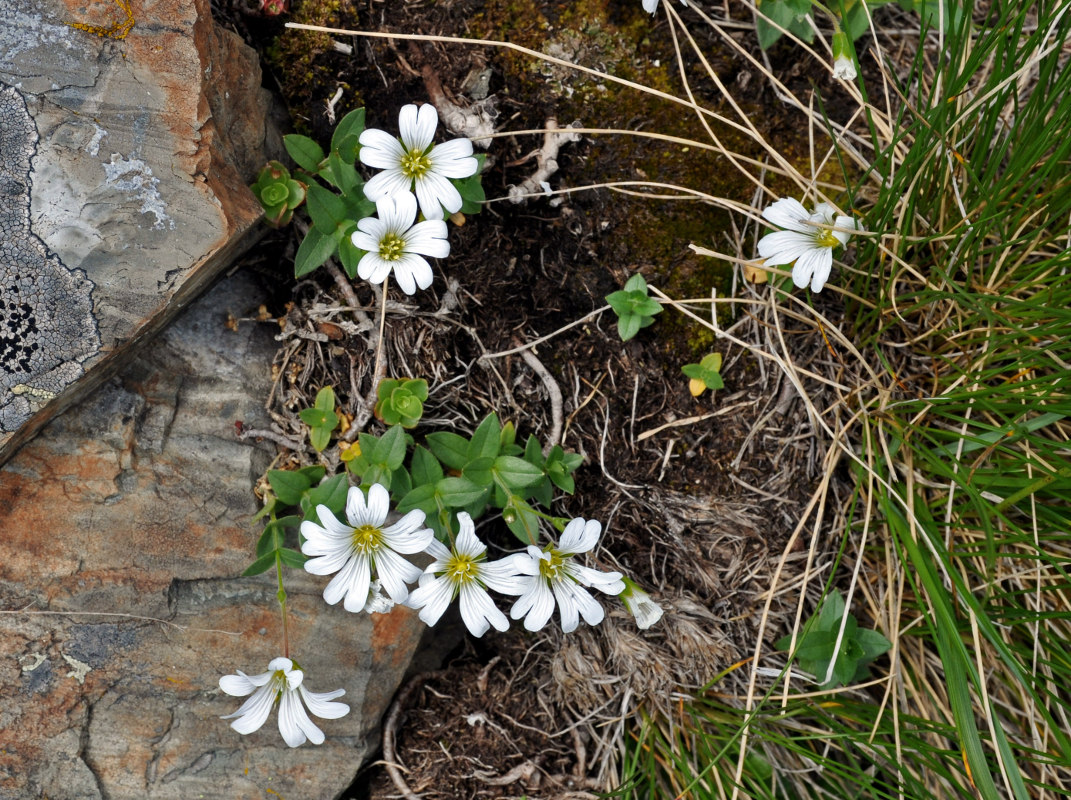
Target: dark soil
{"type": "Point", "coordinates": [694, 512]}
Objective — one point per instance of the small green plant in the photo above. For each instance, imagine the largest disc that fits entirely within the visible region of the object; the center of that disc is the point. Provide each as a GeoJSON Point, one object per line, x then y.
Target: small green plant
{"type": "Point", "coordinates": [305, 489]}
{"type": "Point", "coordinates": [704, 375]}
{"type": "Point", "coordinates": [278, 193]}
{"type": "Point", "coordinates": [815, 646]}
{"type": "Point", "coordinates": [401, 402]}
{"type": "Point", "coordinates": [321, 418]}
{"type": "Point", "coordinates": [850, 16]}
{"type": "Point", "coordinates": [635, 309]}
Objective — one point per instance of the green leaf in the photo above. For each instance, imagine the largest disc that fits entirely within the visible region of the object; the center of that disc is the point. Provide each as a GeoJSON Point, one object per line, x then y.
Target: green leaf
{"type": "Point", "coordinates": [305, 152]}
{"type": "Point", "coordinates": [424, 467]}
{"type": "Point", "coordinates": [288, 485]}
{"type": "Point", "coordinates": [422, 497]}
{"type": "Point", "coordinates": [348, 253]}
{"type": "Point", "coordinates": [262, 564]}
{"type": "Point", "coordinates": [331, 493]}
{"type": "Point", "coordinates": [345, 175]}
{"type": "Point", "coordinates": [400, 482]}
{"type": "Point", "coordinates": [459, 492]}
{"type": "Point", "coordinates": [292, 558]}
{"type": "Point", "coordinates": [327, 210]}
{"type": "Point", "coordinates": [313, 251]}
{"type": "Point", "coordinates": [390, 449]}
{"type": "Point", "coordinates": [325, 399]}
{"type": "Point", "coordinates": [516, 472]}
{"type": "Point", "coordinates": [345, 140]}
{"type": "Point", "coordinates": [479, 471]}
{"type": "Point", "coordinates": [451, 449]}
{"type": "Point", "coordinates": [272, 538]}
{"type": "Point", "coordinates": [522, 521]}
{"type": "Point", "coordinates": [320, 437]}
{"type": "Point", "coordinates": [486, 439]}
{"type": "Point", "coordinates": [628, 325]}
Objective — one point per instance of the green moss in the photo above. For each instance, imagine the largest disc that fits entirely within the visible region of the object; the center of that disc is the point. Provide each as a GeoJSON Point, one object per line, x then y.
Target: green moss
{"type": "Point", "coordinates": [306, 65]}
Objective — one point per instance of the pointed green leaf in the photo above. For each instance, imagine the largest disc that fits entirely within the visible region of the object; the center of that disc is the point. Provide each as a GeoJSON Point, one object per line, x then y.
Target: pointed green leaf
{"type": "Point", "coordinates": [305, 152]}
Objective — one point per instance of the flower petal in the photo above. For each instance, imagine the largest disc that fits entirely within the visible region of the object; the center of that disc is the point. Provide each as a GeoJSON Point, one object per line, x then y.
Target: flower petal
{"type": "Point", "coordinates": [241, 684]}
{"type": "Point", "coordinates": [432, 598]}
{"type": "Point", "coordinates": [504, 576]}
{"type": "Point", "coordinates": [784, 247]}
{"type": "Point", "coordinates": [567, 606]}
{"type": "Point", "coordinates": [479, 612]}
{"type": "Point", "coordinates": [387, 183]}
{"type": "Point", "coordinates": [580, 536]}
{"type": "Point", "coordinates": [378, 505]}
{"type": "Point", "coordinates": [453, 159]}
{"type": "Point", "coordinates": [253, 713]}
{"type": "Point", "coordinates": [294, 722]}
{"type": "Point", "coordinates": [319, 703]}
{"type": "Point", "coordinates": [434, 191]}
{"type": "Point", "coordinates": [535, 605]}
{"type": "Point", "coordinates": [380, 150]}
{"type": "Point", "coordinates": [406, 535]}
{"type": "Point", "coordinates": [813, 267]}
{"type": "Point", "coordinates": [373, 269]}
{"type": "Point", "coordinates": [788, 213]}
{"type": "Point", "coordinates": [428, 238]}
{"type": "Point", "coordinates": [417, 126]}
{"type": "Point", "coordinates": [394, 572]}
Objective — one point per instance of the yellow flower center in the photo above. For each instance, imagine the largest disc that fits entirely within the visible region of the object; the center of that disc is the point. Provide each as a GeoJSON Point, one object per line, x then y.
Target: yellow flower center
{"type": "Point", "coordinates": [824, 238]}
{"type": "Point", "coordinates": [367, 539]}
{"type": "Point", "coordinates": [415, 164]}
{"type": "Point", "coordinates": [553, 568]}
{"type": "Point", "coordinates": [391, 247]}
{"type": "Point", "coordinates": [461, 569]}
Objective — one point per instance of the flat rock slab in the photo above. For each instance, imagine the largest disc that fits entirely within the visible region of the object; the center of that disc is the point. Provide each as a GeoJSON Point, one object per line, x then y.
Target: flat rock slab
{"type": "Point", "coordinates": [128, 134]}
{"type": "Point", "coordinates": [125, 522]}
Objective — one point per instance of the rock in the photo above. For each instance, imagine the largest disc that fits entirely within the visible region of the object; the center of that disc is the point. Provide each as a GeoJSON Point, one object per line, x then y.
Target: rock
{"type": "Point", "coordinates": [127, 520]}
{"type": "Point", "coordinates": [125, 152]}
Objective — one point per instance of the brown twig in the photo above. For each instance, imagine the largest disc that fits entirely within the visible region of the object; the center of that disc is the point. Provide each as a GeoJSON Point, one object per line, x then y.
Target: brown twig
{"type": "Point", "coordinates": [547, 161]}
{"type": "Point", "coordinates": [390, 729]}
{"type": "Point", "coordinates": [555, 393]}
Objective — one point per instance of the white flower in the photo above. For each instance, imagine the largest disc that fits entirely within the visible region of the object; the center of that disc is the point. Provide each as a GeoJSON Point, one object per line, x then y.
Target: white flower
{"type": "Point", "coordinates": [363, 547]}
{"type": "Point", "coordinates": [646, 611]}
{"type": "Point", "coordinates": [807, 240]}
{"type": "Point", "coordinates": [394, 243]}
{"type": "Point", "coordinates": [844, 68]}
{"type": "Point", "coordinates": [650, 6]}
{"type": "Point", "coordinates": [282, 683]}
{"type": "Point", "coordinates": [465, 571]}
{"type": "Point", "coordinates": [416, 163]}
{"type": "Point", "coordinates": [551, 575]}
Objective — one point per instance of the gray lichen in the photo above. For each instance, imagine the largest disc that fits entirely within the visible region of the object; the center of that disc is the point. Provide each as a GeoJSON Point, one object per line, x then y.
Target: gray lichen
{"type": "Point", "coordinates": [47, 328]}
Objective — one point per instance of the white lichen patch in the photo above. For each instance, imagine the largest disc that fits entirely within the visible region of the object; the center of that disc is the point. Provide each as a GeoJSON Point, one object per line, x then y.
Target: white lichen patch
{"type": "Point", "coordinates": [31, 661]}
{"type": "Point", "coordinates": [47, 328]}
{"type": "Point", "coordinates": [79, 669]}
{"type": "Point", "coordinates": [93, 146]}
{"type": "Point", "coordinates": [134, 176]}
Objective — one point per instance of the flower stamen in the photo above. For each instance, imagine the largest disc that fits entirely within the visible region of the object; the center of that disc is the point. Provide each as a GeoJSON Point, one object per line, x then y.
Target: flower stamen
{"type": "Point", "coordinates": [414, 164]}
{"type": "Point", "coordinates": [367, 539]}
{"type": "Point", "coordinates": [391, 247]}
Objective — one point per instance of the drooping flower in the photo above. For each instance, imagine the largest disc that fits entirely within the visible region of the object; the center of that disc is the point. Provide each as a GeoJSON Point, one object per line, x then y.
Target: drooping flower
{"type": "Point", "coordinates": [551, 576]}
{"type": "Point", "coordinates": [465, 572]}
{"type": "Point", "coordinates": [414, 163]}
{"type": "Point", "coordinates": [283, 683]}
{"type": "Point", "coordinates": [394, 242]}
{"type": "Point", "coordinates": [361, 550]}
{"type": "Point", "coordinates": [808, 239]}
{"type": "Point", "coordinates": [651, 6]}
{"type": "Point", "coordinates": [844, 68]}
{"type": "Point", "coordinates": [646, 611]}
{"type": "Point", "coordinates": [843, 65]}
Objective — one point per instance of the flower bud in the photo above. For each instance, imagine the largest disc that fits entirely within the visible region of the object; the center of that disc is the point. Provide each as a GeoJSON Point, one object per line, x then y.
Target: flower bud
{"type": "Point", "coordinates": [843, 65]}
{"type": "Point", "coordinates": [646, 611]}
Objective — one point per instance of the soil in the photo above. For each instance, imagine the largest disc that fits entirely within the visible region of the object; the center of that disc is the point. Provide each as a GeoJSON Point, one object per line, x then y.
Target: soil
{"type": "Point", "coordinates": [697, 512]}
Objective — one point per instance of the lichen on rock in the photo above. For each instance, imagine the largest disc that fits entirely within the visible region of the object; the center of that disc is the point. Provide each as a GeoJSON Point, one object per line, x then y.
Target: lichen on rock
{"type": "Point", "coordinates": [47, 327]}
